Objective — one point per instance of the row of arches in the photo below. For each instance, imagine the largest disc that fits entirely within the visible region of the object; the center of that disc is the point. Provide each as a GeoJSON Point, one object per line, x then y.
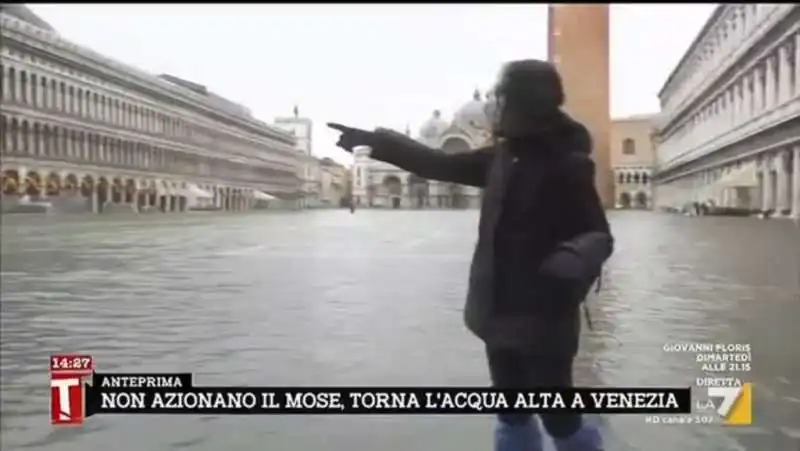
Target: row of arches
{"type": "Point", "coordinates": [46, 92]}
{"type": "Point", "coordinates": [418, 193]}
{"type": "Point", "coordinates": [83, 100]}
{"type": "Point", "coordinates": [638, 200]}
{"type": "Point", "coordinates": [732, 28]}
{"type": "Point", "coordinates": [48, 141]}
{"type": "Point", "coordinates": [768, 82]}
{"type": "Point", "coordinates": [36, 184]}
{"type": "Point", "coordinates": [27, 138]}
{"type": "Point", "coordinates": [166, 195]}
{"type": "Point", "coordinates": [633, 177]}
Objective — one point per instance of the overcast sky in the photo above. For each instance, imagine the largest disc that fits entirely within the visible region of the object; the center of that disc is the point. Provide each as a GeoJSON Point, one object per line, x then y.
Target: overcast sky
{"type": "Point", "coordinates": [367, 65]}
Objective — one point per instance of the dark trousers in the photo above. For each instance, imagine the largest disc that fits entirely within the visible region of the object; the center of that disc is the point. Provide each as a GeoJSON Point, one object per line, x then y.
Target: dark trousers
{"type": "Point", "coordinates": [525, 369]}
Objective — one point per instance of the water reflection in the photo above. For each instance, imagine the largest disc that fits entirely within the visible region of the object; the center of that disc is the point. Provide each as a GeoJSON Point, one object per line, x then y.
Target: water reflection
{"type": "Point", "coordinates": [375, 298]}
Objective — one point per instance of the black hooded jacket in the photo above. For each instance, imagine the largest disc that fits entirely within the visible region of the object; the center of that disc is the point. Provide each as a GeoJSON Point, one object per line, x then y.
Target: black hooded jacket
{"type": "Point", "coordinates": [539, 198]}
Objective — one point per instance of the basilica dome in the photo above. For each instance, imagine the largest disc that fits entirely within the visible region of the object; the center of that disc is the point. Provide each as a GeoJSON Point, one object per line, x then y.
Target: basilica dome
{"type": "Point", "coordinates": [472, 115]}
{"type": "Point", "coordinates": [434, 126]}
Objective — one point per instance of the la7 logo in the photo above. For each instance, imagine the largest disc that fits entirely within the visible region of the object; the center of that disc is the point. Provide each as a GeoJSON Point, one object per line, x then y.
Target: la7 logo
{"type": "Point", "coordinates": [736, 406]}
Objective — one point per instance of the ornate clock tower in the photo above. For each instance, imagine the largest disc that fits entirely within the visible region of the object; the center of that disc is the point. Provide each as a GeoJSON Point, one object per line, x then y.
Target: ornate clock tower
{"type": "Point", "coordinates": [578, 45]}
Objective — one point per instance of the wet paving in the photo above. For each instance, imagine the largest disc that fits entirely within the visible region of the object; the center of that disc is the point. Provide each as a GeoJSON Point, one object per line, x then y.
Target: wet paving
{"type": "Point", "coordinates": [374, 298]}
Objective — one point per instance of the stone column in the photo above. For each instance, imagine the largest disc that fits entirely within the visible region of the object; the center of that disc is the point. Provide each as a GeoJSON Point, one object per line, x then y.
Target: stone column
{"type": "Point", "coordinates": [746, 110]}
{"type": "Point", "coordinates": [6, 86]}
{"type": "Point", "coordinates": [782, 196]}
{"type": "Point", "coordinates": [68, 144]}
{"type": "Point", "coordinates": [26, 89]}
{"type": "Point", "coordinates": [725, 195]}
{"type": "Point", "coordinates": [796, 183]}
{"type": "Point", "coordinates": [36, 93]}
{"type": "Point", "coordinates": [67, 101]}
{"type": "Point", "coordinates": [769, 82]}
{"type": "Point", "coordinates": [134, 200]}
{"type": "Point", "coordinates": [767, 199]}
{"type": "Point", "coordinates": [42, 142]}
{"type": "Point", "coordinates": [784, 75]}
{"type": "Point", "coordinates": [58, 101]}
{"type": "Point", "coordinates": [796, 69]}
{"type": "Point", "coordinates": [95, 200]}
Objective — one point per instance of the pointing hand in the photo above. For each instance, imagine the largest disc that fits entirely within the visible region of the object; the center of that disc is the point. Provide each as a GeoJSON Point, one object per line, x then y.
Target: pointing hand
{"type": "Point", "coordinates": [352, 137]}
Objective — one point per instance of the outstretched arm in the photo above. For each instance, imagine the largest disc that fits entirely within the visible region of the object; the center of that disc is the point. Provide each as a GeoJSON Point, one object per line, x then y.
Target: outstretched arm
{"type": "Point", "coordinates": [469, 168]}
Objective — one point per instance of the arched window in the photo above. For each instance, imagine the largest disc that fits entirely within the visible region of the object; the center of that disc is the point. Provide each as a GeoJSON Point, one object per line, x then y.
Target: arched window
{"type": "Point", "coordinates": [34, 90]}
{"type": "Point", "coordinates": [81, 111]}
{"type": "Point", "coordinates": [12, 83]}
{"type": "Point", "coordinates": [621, 178]}
{"type": "Point", "coordinates": [23, 83]}
{"type": "Point", "coordinates": [26, 138]}
{"type": "Point", "coordinates": [45, 92]}
{"type": "Point", "coordinates": [53, 93]}
{"type": "Point", "coordinates": [46, 141]}
{"type": "Point", "coordinates": [628, 146]}
{"type": "Point", "coordinates": [63, 92]}
{"type": "Point", "coordinates": [72, 106]}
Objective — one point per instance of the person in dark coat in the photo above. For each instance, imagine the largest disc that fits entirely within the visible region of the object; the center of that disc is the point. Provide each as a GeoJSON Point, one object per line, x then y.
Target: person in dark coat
{"type": "Point", "coordinates": [542, 240]}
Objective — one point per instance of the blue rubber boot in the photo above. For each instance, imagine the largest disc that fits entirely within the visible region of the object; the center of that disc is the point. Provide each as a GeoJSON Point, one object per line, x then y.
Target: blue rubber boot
{"type": "Point", "coordinates": [587, 438]}
{"type": "Point", "coordinates": [518, 436]}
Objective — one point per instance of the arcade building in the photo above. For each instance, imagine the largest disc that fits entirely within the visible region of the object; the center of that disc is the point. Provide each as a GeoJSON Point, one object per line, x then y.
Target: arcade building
{"type": "Point", "coordinates": [83, 132]}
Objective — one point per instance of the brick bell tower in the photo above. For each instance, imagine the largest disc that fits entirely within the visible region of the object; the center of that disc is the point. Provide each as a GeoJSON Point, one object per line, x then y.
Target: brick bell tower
{"type": "Point", "coordinates": [578, 45]}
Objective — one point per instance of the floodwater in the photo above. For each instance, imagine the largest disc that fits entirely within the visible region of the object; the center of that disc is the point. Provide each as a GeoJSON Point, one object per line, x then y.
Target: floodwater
{"type": "Point", "coordinates": [374, 298]}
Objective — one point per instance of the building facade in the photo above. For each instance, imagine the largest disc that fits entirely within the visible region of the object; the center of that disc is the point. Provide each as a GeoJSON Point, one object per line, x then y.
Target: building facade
{"type": "Point", "coordinates": [301, 128]}
{"type": "Point", "coordinates": [334, 184]}
{"type": "Point", "coordinates": [578, 38]}
{"type": "Point", "coordinates": [633, 161]}
{"type": "Point", "coordinates": [312, 182]}
{"type": "Point", "coordinates": [381, 185]}
{"type": "Point", "coordinates": [84, 132]}
{"type": "Point", "coordinates": [729, 130]}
